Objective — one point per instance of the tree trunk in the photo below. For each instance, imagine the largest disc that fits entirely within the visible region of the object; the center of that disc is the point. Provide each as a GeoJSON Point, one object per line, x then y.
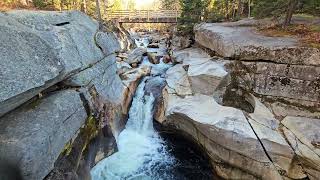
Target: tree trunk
{"type": "Point", "coordinates": [105, 5]}
{"type": "Point", "coordinates": [227, 9]}
{"type": "Point", "coordinates": [290, 10]}
{"type": "Point", "coordinates": [84, 6]}
{"type": "Point", "coordinates": [249, 8]}
{"type": "Point", "coordinates": [233, 9]}
{"type": "Point", "coordinates": [23, 2]}
{"type": "Point", "coordinates": [61, 4]}
{"type": "Point", "coordinates": [98, 11]}
{"type": "Point", "coordinates": [239, 8]}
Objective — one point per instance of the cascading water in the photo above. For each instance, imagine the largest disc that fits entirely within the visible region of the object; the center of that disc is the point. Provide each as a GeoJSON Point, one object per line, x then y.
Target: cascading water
{"type": "Point", "coordinates": [142, 153]}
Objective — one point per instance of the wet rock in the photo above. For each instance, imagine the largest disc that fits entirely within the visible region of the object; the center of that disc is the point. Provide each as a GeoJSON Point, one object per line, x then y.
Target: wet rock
{"type": "Point", "coordinates": [153, 58]}
{"type": "Point", "coordinates": [153, 45]}
{"type": "Point", "coordinates": [108, 42]}
{"type": "Point", "coordinates": [224, 132]}
{"type": "Point", "coordinates": [35, 134]}
{"type": "Point", "coordinates": [135, 56]}
{"type": "Point", "coordinates": [244, 43]}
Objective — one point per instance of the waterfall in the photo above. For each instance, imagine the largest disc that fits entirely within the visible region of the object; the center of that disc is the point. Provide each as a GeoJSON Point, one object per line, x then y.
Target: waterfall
{"type": "Point", "coordinates": [142, 153]}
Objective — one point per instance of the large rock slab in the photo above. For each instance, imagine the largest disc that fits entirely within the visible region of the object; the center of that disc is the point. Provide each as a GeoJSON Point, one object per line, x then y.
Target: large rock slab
{"type": "Point", "coordinates": [205, 74]}
{"type": "Point", "coordinates": [303, 135]}
{"type": "Point", "coordinates": [135, 55]}
{"type": "Point", "coordinates": [177, 80]}
{"type": "Point", "coordinates": [108, 42]}
{"type": "Point", "coordinates": [245, 43]}
{"type": "Point", "coordinates": [28, 64]}
{"type": "Point", "coordinates": [224, 132]}
{"type": "Point", "coordinates": [71, 34]}
{"type": "Point", "coordinates": [266, 127]}
{"type": "Point", "coordinates": [40, 49]}
{"type": "Point", "coordinates": [34, 135]}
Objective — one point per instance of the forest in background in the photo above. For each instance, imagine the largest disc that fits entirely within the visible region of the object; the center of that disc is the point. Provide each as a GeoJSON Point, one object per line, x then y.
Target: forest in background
{"type": "Point", "coordinates": [196, 11]}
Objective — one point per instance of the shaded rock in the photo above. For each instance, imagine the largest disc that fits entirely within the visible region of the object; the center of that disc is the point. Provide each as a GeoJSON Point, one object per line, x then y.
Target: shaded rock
{"type": "Point", "coordinates": [35, 134]}
{"type": "Point", "coordinates": [135, 56]}
{"type": "Point", "coordinates": [224, 132]}
{"type": "Point", "coordinates": [246, 44]}
{"type": "Point", "coordinates": [153, 58]}
{"type": "Point", "coordinates": [180, 42]}
{"type": "Point", "coordinates": [177, 81]}
{"type": "Point", "coordinates": [108, 42]}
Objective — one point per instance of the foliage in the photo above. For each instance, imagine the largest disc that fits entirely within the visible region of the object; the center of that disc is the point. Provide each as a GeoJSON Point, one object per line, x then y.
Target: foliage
{"type": "Point", "coordinates": [191, 13]}
{"type": "Point", "coordinates": [276, 8]}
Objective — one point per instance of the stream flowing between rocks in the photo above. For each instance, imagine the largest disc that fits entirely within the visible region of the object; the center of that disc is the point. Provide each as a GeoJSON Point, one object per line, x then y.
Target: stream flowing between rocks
{"type": "Point", "coordinates": [143, 152]}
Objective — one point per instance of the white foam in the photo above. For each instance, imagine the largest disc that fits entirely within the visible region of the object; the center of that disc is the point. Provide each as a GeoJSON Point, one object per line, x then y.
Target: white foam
{"type": "Point", "coordinates": [140, 147]}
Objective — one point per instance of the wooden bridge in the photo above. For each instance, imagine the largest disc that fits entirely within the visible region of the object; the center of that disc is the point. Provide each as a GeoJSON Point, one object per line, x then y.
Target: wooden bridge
{"type": "Point", "coordinates": [144, 16]}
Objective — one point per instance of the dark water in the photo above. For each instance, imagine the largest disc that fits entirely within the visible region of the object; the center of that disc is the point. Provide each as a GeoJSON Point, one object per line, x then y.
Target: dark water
{"type": "Point", "coordinates": [192, 163]}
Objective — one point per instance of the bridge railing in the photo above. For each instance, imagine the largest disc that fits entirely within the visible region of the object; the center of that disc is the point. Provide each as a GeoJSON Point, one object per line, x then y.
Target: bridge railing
{"type": "Point", "coordinates": [143, 14]}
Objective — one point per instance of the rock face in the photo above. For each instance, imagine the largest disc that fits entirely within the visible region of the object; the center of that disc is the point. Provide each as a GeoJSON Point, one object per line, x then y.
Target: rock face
{"type": "Point", "coordinates": [62, 103]}
{"type": "Point", "coordinates": [244, 144]}
{"type": "Point", "coordinates": [136, 55]}
{"type": "Point", "coordinates": [35, 134]}
{"type": "Point", "coordinates": [224, 132]}
{"type": "Point", "coordinates": [244, 43]}
{"type": "Point", "coordinates": [42, 48]}
{"type": "Point", "coordinates": [303, 135]}
{"type": "Point", "coordinates": [278, 67]}
{"type": "Point", "coordinates": [107, 42]}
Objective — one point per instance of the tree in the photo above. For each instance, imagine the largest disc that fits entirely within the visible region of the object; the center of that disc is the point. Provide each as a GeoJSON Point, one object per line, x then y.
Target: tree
{"type": "Point", "coordinates": [192, 12]}
{"type": "Point", "coordinates": [290, 10]}
{"type": "Point", "coordinates": [98, 11]}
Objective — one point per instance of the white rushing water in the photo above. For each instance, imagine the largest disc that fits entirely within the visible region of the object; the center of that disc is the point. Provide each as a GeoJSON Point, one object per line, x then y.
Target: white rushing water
{"type": "Point", "coordinates": [142, 153]}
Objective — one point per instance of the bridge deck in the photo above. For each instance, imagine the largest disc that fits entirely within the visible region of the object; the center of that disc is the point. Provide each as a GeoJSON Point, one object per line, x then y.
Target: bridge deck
{"type": "Point", "coordinates": [145, 16]}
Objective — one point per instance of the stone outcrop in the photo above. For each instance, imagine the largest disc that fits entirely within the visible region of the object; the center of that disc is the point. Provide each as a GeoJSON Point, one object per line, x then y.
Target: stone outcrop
{"type": "Point", "coordinates": [275, 68]}
{"type": "Point", "coordinates": [62, 102]}
{"type": "Point", "coordinates": [135, 56]}
{"type": "Point", "coordinates": [34, 134]}
{"type": "Point", "coordinates": [224, 133]}
{"type": "Point", "coordinates": [303, 135]}
{"type": "Point", "coordinates": [251, 143]}
{"type": "Point", "coordinates": [244, 43]}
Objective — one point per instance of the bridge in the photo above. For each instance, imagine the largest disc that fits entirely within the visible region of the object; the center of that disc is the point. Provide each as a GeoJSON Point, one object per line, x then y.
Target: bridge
{"type": "Point", "coordinates": [144, 16]}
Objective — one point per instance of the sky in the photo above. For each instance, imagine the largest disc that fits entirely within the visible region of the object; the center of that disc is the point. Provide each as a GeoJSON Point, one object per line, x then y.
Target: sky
{"type": "Point", "coordinates": [144, 4]}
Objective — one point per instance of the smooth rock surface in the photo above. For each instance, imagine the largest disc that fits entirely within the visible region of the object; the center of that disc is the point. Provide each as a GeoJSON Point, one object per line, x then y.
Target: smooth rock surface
{"type": "Point", "coordinates": [35, 134]}
{"type": "Point", "coordinates": [108, 42]}
{"type": "Point", "coordinates": [135, 55]}
{"type": "Point", "coordinates": [245, 43]}
{"type": "Point", "coordinates": [224, 132]}
{"type": "Point", "coordinates": [266, 127]}
{"type": "Point", "coordinates": [177, 80]}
